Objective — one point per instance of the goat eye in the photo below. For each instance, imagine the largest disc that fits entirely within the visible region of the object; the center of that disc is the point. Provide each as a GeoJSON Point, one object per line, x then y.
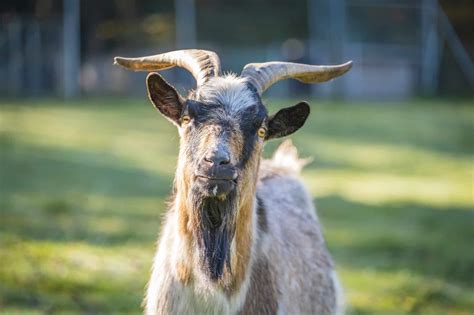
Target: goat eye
{"type": "Point", "coordinates": [262, 132]}
{"type": "Point", "coordinates": [185, 119]}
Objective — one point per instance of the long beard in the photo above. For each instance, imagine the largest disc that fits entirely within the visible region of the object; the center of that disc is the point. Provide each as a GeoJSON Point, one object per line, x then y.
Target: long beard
{"type": "Point", "coordinates": [215, 229]}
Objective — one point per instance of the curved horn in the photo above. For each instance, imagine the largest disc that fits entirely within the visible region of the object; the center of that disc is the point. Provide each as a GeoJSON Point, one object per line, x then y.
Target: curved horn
{"type": "Point", "coordinates": [202, 64]}
{"type": "Point", "coordinates": [264, 75]}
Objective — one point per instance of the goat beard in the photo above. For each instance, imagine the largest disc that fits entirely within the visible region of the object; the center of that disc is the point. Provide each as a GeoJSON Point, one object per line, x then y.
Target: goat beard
{"type": "Point", "coordinates": [214, 222]}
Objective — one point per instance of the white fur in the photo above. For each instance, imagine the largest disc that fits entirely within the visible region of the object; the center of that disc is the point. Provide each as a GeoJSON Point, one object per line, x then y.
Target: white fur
{"type": "Point", "coordinates": [340, 299]}
{"type": "Point", "coordinates": [229, 90]}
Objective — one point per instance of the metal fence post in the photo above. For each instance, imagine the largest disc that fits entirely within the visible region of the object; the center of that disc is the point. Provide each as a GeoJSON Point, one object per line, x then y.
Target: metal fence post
{"type": "Point", "coordinates": [33, 55]}
{"type": "Point", "coordinates": [185, 23]}
{"type": "Point", "coordinates": [430, 46]}
{"type": "Point", "coordinates": [459, 52]}
{"type": "Point", "coordinates": [15, 56]}
{"type": "Point", "coordinates": [71, 46]}
{"type": "Point", "coordinates": [337, 14]}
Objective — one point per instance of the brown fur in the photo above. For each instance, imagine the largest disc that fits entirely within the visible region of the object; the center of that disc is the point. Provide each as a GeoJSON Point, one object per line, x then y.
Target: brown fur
{"type": "Point", "coordinates": [236, 144]}
{"type": "Point", "coordinates": [184, 273]}
{"type": "Point", "coordinates": [243, 239]}
{"type": "Point", "coordinates": [244, 230]}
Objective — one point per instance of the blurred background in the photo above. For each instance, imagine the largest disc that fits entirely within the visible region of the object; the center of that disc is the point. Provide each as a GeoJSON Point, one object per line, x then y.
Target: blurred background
{"type": "Point", "coordinates": [86, 163]}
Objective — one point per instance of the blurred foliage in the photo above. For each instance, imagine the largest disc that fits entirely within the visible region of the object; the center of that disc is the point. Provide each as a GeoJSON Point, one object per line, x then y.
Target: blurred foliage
{"type": "Point", "coordinates": [83, 188]}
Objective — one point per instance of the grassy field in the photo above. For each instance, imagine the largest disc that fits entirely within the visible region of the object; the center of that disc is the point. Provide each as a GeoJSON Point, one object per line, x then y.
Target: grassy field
{"type": "Point", "coordinates": [83, 187]}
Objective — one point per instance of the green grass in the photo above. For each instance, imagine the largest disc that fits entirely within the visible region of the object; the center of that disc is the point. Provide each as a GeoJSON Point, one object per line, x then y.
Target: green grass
{"type": "Point", "coordinates": [83, 187]}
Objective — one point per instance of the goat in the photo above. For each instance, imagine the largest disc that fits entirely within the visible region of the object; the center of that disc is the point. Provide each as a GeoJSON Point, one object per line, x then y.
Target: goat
{"type": "Point", "coordinates": [241, 235]}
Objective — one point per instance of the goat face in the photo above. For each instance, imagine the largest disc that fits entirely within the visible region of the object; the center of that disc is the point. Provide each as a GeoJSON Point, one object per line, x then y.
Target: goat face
{"type": "Point", "coordinates": [219, 144]}
{"type": "Point", "coordinates": [222, 125]}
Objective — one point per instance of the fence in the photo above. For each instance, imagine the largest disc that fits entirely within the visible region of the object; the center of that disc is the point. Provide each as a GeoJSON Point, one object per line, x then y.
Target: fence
{"type": "Point", "coordinates": [396, 46]}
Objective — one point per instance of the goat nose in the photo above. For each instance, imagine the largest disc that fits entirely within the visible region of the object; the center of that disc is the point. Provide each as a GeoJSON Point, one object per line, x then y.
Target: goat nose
{"type": "Point", "coordinates": [218, 158]}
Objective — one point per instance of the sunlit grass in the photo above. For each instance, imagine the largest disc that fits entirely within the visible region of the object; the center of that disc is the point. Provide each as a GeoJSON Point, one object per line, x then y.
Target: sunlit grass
{"type": "Point", "coordinates": [379, 188]}
{"type": "Point", "coordinates": [402, 292]}
{"type": "Point", "coordinates": [83, 188]}
{"type": "Point", "coordinates": [77, 276]}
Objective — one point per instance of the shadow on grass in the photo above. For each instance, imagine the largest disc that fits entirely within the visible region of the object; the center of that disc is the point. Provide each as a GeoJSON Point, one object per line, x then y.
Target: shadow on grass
{"type": "Point", "coordinates": [432, 241]}
{"type": "Point", "coordinates": [433, 126]}
{"type": "Point", "coordinates": [72, 195]}
{"type": "Point", "coordinates": [51, 170]}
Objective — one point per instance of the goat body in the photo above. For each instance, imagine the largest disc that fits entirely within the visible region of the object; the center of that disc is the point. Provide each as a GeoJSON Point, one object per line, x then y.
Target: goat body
{"type": "Point", "coordinates": [290, 270]}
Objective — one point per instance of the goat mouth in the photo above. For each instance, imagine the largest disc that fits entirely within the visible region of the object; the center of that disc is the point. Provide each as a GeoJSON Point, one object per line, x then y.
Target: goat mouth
{"type": "Point", "coordinates": [217, 179]}
{"type": "Point", "coordinates": [216, 186]}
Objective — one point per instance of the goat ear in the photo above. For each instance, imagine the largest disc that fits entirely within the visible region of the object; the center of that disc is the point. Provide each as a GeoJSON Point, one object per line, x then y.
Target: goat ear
{"type": "Point", "coordinates": [287, 120]}
{"type": "Point", "coordinates": [164, 97]}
